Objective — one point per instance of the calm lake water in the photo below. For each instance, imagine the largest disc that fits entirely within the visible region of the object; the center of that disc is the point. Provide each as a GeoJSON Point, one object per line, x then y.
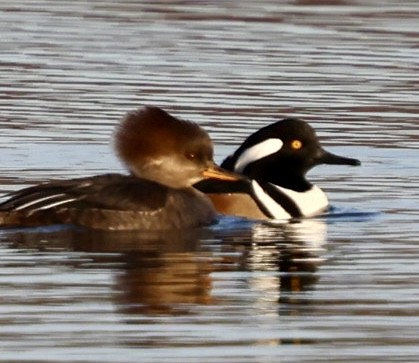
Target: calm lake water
{"type": "Point", "coordinates": [344, 288]}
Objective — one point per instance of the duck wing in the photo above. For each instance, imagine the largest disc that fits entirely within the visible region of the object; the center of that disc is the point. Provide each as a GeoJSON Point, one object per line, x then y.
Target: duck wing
{"type": "Point", "coordinates": [108, 191]}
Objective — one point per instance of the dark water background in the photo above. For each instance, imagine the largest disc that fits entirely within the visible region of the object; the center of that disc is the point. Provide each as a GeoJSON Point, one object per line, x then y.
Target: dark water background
{"type": "Point", "coordinates": [338, 289]}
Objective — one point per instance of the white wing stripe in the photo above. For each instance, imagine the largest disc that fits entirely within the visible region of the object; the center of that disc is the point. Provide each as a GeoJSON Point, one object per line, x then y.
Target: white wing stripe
{"type": "Point", "coordinates": [52, 205]}
{"type": "Point", "coordinates": [43, 199]}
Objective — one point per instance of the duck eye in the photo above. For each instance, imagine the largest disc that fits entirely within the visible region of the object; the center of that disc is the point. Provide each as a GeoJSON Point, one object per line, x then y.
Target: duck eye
{"type": "Point", "coordinates": [190, 156]}
{"type": "Point", "coordinates": [296, 144]}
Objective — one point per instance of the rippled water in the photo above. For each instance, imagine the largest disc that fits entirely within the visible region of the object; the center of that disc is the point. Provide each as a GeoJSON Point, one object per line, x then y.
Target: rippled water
{"type": "Point", "coordinates": [342, 288]}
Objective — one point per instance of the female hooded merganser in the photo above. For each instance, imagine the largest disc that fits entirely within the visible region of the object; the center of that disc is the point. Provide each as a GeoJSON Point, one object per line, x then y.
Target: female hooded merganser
{"type": "Point", "coordinates": [276, 159]}
{"type": "Point", "coordinates": [165, 156]}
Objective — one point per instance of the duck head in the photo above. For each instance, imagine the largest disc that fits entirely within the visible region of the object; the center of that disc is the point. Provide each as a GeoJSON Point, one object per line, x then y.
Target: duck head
{"type": "Point", "coordinates": [157, 146]}
{"type": "Point", "coordinates": [282, 153]}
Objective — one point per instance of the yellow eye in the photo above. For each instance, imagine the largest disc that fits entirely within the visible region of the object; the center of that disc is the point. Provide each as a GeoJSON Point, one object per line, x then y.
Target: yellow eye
{"type": "Point", "coordinates": [296, 144]}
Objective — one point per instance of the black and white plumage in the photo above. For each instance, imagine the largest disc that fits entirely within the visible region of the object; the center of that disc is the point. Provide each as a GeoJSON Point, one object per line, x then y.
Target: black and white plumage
{"type": "Point", "coordinates": [276, 159]}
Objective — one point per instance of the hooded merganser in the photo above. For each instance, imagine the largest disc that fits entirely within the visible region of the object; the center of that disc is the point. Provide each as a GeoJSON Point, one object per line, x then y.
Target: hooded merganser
{"type": "Point", "coordinates": [276, 159]}
{"type": "Point", "coordinates": [165, 156]}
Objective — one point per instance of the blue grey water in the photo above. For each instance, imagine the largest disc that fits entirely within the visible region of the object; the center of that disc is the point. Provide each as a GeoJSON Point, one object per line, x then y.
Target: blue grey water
{"type": "Point", "coordinates": [340, 289]}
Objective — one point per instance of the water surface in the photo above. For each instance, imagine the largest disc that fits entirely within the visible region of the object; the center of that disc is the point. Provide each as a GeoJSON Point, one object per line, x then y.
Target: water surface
{"type": "Point", "coordinates": [340, 288]}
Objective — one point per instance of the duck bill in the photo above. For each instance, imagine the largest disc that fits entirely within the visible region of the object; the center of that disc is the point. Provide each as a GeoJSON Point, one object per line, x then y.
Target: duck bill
{"type": "Point", "coordinates": [215, 172]}
{"type": "Point", "coordinates": [333, 159]}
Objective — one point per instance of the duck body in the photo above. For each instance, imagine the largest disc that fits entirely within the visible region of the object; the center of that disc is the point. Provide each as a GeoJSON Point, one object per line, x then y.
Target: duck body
{"type": "Point", "coordinates": [275, 159]}
{"type": "Point", "coordinates": [165, 156]}
{"type": "Point", "coordinates": [261, 200]}
{"type": "Point", "coordinates": [110, 202]}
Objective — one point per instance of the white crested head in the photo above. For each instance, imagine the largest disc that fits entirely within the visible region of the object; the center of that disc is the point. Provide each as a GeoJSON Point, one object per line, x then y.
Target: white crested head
{"type": "Point", "coordinates": [257, 152]}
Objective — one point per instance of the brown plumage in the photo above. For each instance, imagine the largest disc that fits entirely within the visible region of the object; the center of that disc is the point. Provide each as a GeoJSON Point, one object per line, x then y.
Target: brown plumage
{"type": "Point", "coordinates": [153, 144]}
{"type": "Point", "coordinates": [165, 155]}
{"type": "Point", "coordinates": [237, 204]}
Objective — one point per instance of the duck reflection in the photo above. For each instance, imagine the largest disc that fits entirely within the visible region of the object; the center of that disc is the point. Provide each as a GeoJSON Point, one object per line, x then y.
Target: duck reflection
{"type": "Point", "coordinates": [164, 283]}
{"type": "Point", "coordinates": [284, 259]}
{"type": "Point", "coordinates": [172, 273]}
{"type": "Point", "coordinates": [153, 273]}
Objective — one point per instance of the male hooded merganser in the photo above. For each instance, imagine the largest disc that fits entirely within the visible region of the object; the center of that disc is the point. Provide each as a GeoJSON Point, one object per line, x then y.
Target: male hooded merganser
{"type": "Point", "coordinates": [276, 159]}
{"type": "Point", "coordinates": [165, 156]}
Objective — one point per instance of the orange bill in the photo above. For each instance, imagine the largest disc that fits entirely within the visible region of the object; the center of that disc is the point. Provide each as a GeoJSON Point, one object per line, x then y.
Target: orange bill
{"type": "Point", "coordinates": [215, 172]}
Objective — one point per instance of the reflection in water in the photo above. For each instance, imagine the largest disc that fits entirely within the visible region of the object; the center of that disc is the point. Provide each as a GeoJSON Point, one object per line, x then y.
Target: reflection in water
{"type": "Point", "coordinates": [169, 274]}
{"type": "Point", "coordinates": [299, 258]}
{"type": "Point", "coordinates": [164, 283]}
{"type": "Point", "coordinates": [285, 257]}
{"type": "Point", "coordinates": [69, 70]}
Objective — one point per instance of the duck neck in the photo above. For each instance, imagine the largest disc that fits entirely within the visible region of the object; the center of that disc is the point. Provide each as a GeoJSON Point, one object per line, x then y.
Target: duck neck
{"type": "Point", "coordinates": [282, 174]}
{"type": "Point", "coordinates": [294, 182]}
